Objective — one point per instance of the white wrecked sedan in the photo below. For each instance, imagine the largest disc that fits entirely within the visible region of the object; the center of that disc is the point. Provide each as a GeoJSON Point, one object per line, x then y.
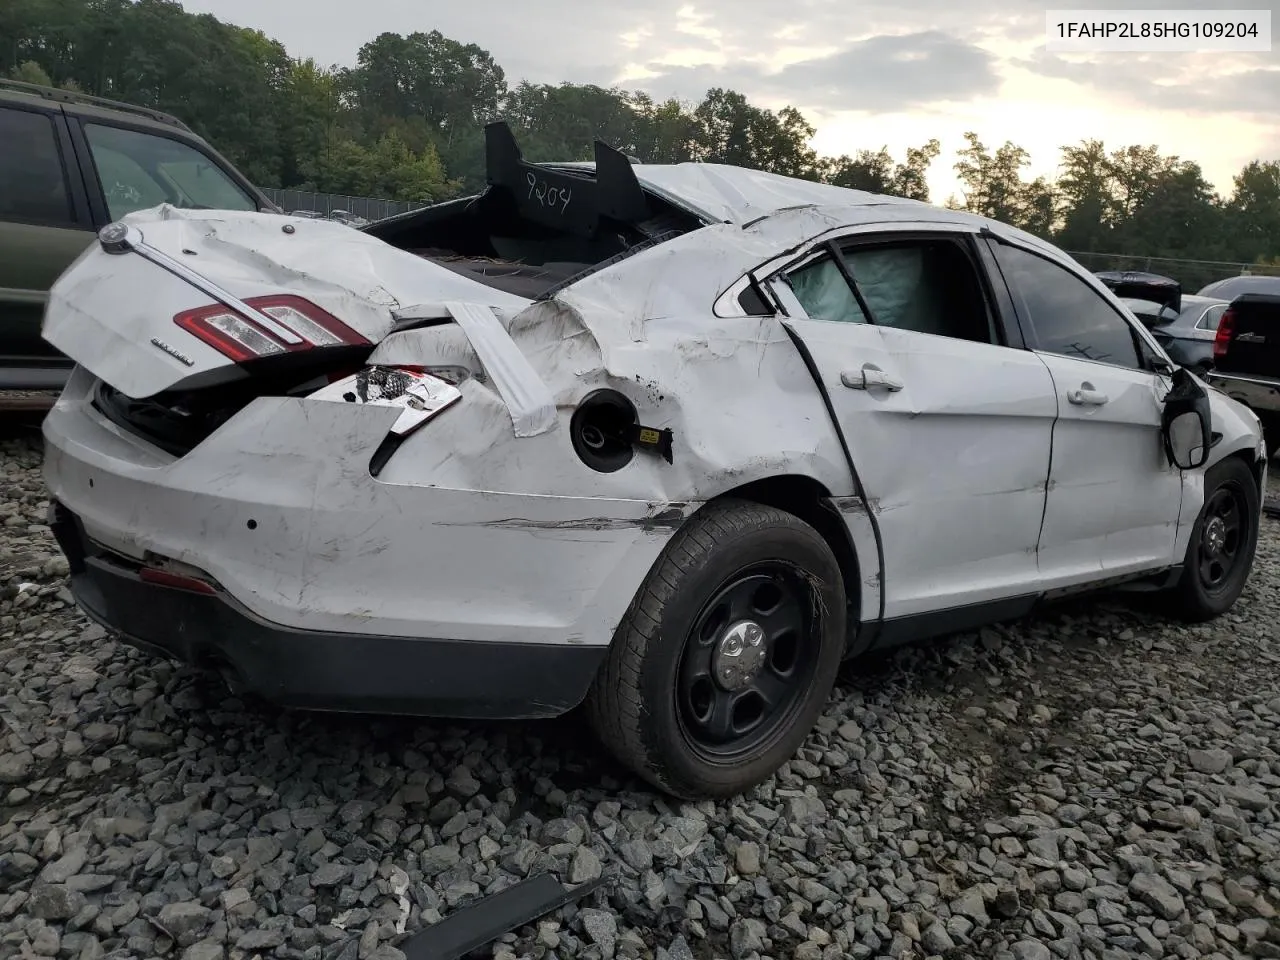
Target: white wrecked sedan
{"type": "Point", "coordinates": [670, 440]}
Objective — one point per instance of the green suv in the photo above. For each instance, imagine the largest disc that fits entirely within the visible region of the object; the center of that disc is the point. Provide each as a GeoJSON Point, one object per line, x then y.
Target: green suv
{"type": "Point", "coordinates": [71, 164]}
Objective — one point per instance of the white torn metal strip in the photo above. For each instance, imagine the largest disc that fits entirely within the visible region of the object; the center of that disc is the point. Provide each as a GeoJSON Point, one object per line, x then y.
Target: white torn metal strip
{"type": "Point", "coordinates": [528, 398]}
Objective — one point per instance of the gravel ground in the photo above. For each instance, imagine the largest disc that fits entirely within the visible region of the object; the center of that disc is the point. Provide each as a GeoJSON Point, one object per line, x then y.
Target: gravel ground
{"type": "Point", "coordinates": [1097, 782]}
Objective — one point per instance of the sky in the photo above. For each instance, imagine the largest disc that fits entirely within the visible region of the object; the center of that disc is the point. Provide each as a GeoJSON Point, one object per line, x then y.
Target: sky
{"type": "Point", "coordinates": [867, 73]}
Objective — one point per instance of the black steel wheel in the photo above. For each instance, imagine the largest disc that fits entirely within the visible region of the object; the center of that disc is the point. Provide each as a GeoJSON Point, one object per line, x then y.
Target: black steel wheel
{"type": "Point", "coordinates": [747, 662]}
{"type": "Point", "coordinates": [1223, 537]}
{"type": "Point", "coordinates": [1220, 555]}
{"type": "Point", "coordinates": [727, 655]}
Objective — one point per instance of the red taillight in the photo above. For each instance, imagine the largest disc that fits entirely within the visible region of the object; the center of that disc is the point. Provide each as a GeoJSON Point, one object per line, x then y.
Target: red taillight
{"type": "Point", "coordinates": [290, 324]}
{"type": "Point", "coordinates": [177, 581]}
{"type": "Point", "coordinates": [1226, 327]}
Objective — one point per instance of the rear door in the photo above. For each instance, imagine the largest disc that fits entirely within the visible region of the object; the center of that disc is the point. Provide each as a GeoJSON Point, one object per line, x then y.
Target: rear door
{"type": "Point", "coordinates": [947, 419]}
{"type": "Point", "coordinates": [44, 225]}
{"type": "Point", "coordinates": [1114, 499]}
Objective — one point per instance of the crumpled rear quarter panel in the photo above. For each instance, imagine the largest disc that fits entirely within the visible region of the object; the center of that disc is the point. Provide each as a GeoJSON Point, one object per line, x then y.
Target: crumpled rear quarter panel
{"type": "Point", "coordinates": [331, 548]}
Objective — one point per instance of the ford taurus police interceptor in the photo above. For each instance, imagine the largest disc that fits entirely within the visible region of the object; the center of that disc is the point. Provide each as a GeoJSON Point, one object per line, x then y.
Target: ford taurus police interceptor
{"type": "Point", "coordinates": [669, 442]}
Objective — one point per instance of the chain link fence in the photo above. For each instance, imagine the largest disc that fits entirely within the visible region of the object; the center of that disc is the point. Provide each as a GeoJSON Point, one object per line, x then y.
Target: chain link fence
{"type": "Point", "coordinates": [1192, 274]}
{"type": "Point", "coordinates": [327, 204]}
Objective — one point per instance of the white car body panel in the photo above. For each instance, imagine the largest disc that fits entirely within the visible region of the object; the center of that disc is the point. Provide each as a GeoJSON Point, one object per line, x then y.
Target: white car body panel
{"type": "Point", "coordinates": [1114, 499]}
{"type": "Point", "coordinates": [484, 525]}
{"type": "Point", "coordinates": [960, 501]}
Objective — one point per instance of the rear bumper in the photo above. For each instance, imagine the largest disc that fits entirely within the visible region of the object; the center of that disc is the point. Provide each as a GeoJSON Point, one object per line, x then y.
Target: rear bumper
{"type": "Point", "coordinates": [320, 670]}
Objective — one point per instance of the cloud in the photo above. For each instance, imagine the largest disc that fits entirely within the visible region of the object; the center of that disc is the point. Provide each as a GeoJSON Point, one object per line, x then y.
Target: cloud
{"type": "Point", "coordinates": [881, 74]}
{"type": "Point", "coordinates": [866, 72]}
{"type": "Point", "coordinates": [1242, 84]}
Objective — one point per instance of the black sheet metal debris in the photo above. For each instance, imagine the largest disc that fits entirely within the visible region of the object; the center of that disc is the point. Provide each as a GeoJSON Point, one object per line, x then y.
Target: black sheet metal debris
{"type": "Point", "coordinates": [489, 918]}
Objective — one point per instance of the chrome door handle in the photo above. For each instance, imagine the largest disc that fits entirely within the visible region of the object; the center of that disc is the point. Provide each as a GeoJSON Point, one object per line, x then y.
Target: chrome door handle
{"type": "Point", "coordinates": [869, 377]}
{"type": "Point", "coordinates": [1086, 396]}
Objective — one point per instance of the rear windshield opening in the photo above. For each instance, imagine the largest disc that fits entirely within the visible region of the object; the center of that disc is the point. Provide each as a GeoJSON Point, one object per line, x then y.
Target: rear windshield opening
{"type": "Point", "coordinates": [536, 227]}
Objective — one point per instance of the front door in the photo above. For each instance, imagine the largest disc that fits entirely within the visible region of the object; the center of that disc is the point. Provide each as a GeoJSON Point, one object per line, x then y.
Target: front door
{"type": "Point", "coordinates": [1114, 499]}
{"type": "Point", "coordinates": [948, 428]}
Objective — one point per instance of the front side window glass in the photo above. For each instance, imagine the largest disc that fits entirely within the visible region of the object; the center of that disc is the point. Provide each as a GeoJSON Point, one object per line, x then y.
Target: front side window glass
{"type": "Point", "coordinates": [1069, 317]}
{"type": "Point", "coordinates": [140, 170]}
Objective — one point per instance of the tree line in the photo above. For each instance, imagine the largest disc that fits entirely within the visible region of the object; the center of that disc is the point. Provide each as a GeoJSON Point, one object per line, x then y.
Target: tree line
{"type": "Point", "coordinates": [406, 123]}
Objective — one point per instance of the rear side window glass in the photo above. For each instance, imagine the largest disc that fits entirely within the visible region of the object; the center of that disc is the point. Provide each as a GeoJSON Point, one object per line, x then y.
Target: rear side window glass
{"type": "Point", "coordinates": [141, 170]}
{"type": "Point", "coordinates": [925, 287]}
{"type": "Point", "coordinates": [823, 292]}
{"type": "Point", "coordinates": [1212, 317]}
{"type": "Point", "coordinates": [33, 186]}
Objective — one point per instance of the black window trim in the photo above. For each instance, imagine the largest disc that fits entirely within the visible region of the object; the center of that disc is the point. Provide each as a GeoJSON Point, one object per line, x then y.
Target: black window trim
{"type": "Point", "coordinates": [1143, 350]}
{"type": "Point", "coordinates": [999, 309]}
{"type": "Point", "coordinates": [97, 196]}
{"type": "Point", "coordinates": [77, 202]}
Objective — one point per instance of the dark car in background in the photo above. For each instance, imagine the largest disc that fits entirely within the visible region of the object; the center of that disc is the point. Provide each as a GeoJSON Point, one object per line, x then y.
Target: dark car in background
{"type": "Point", "coordinates": [1187, 334]}
{"type": "Point", "coordinates": [1232, 287]}
{"type": "Point", "coordinates": [69, 165]}
{"type": "Point", "coordinates": [1184, 325]}
{"type": "Point", "coordinates": [1247, 359]}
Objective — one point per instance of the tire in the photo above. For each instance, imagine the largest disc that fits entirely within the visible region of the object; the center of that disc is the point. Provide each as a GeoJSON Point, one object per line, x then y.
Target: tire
{"type": "Point", "coordinates": [657, 704]}
{"type": "Point", "coordinates": [1209, 587]}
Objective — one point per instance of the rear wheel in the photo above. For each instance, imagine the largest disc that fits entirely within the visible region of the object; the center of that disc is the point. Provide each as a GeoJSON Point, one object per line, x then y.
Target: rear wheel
{"type": "Point", "coordinates": [1223, 541]}
{"type": "Point", "coordinates": [727, 654]}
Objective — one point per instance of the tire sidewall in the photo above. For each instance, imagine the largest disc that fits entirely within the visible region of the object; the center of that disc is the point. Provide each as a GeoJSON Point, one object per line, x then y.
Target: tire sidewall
{"type": "Point", "coordinates": [683, 768]}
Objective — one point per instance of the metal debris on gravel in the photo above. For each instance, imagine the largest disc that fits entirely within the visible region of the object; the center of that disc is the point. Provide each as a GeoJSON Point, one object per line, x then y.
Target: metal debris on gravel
{"type": "Point", "coordinates": [1095, 782]}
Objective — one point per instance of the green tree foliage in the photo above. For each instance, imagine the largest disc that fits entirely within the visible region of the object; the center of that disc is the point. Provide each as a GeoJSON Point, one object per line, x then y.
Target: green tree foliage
{"type": "Point", "coordinates": [1253, 215]}
{"type": "Point", "coordinates": [406, 122]}
{"type": "Point", "coordinates": [993, 184]}
{"type": "Point", "coordinates": [30, 72]}
{"type": "Point", "coordinates": [387, 169]}
{"type": "Point", "coordinates": [876, 171]}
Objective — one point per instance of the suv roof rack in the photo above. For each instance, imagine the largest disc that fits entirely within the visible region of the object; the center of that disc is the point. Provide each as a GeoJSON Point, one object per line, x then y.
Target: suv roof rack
{"type": "Point", "coordinates": [75, 97]}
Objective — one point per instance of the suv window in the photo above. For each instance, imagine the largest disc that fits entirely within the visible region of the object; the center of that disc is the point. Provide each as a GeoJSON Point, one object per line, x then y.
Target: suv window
{"type": "Point", "coordinates": [141, 170]}
{"type": "Point", "coordinates": [33, 186]}
{"type": "Point", "coordinates": [927, 286]}
{"type": "Point", "coordinates": [1068, 316]}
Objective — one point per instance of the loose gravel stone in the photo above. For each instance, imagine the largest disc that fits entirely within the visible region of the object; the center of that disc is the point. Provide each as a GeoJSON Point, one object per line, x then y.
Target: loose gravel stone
{"type": "Point", "coordinates": [1095, 783]}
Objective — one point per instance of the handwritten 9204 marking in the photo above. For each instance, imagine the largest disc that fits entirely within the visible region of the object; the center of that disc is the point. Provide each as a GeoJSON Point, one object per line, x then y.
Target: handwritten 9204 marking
{"type": "Point", "coordinates": [548, 195]}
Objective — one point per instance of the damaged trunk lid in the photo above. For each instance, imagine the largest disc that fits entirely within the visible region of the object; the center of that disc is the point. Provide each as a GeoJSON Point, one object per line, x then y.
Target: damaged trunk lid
{"type": "Point", "coordinates": [185, 299]}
